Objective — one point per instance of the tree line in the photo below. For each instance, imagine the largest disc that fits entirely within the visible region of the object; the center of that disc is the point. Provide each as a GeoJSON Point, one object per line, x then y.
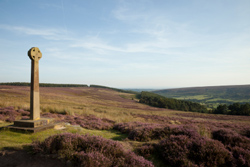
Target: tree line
{"type": "Point", "coordinates": [233, 109]}
{"type": "Point", "coordinates": [43, 84]}
{"type": "Point", "coordinates": [156, 100]}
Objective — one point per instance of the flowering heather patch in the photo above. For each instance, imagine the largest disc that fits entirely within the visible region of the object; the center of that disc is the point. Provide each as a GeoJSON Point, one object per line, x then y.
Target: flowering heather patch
{"type": "Point", "coordinates": [188, 130]}
{"type": "Point", "coordinates": [246, 132]}
{"type": "Point", "coordinates": [146, 150]}
{"type": "Point", "coordinates": [2, 117]}
{"type": "Point", "coordinates": [239, 145]}
{"type": "Point", "coordinates": [25, 117]}
{"type": "Point", "coordinates": [148, 131]}
{"type": "Point", "coordinates": [89, 151]}
{"type": "Point", "coordinates": [9, 114]}
{"type": "Point", "coordinates": [129, 126]}
{"type": "Point", "coordinates": [184, 146]}
{"type": "Point", "coordinates": [242, 156]}
{"type": "Point", "coordinates": [206, 124]}
{"type": "Point", "coordinates": [229, 137]}
{"type": "Point", "coordinates": [164, 119]}
{"type": "Point", "coordinates": [138, 130]}
{"type": "Point", "coordinates": [88, 122]}
{"type": "Point", "coordinates": [175, 150]}
{"type": "Point", "coordinates": [184, 151]}
{"type": "Point", "coordinates": [23, 112]}
{"type": "Point", "coordinates": [214, 117]}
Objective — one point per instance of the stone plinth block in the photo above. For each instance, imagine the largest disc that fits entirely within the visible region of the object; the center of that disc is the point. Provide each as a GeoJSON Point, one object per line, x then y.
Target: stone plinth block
{"type": "Point", "coordinates": [33, 125]}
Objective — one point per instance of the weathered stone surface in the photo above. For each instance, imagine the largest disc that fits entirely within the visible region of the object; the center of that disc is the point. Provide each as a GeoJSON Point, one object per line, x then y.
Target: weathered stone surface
{"type": "Point", "coordinates": [35, 55]}
{"type": "Point", "coordinates": [32, 130]}
{"type": "Point", "coordinates": [33, 123]}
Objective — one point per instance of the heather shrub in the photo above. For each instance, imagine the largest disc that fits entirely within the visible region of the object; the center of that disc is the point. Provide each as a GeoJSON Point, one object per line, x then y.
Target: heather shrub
{"type": "Point", "coordinates": [164, 119]}
{"type": "Point", "coordinates": [131, 159]}
{"type": "Point", "coordinates": [145, 150]}
{"type": "Point", "coordinates": [23, 112]}
{"type": "Point", "coordinates": [175, 150]}
{"type": "Point", "coordinates": [147, 132]}
{"type": "Point", "coordinates": [231, 138]}
{"type": "Point", "coordinates": [88, 122]}
{"type": "Point", "coordinates": [9, 114]}
{"type": "Point", "coordinates": [238, 145]}
{"type": "Point", "coordinates": [25, 117]}
{"type": "Point", "coordinates": [2, 118]}
{"type": "Point", "coordinates": [183, 151]}
{"type": "Point", "coordinates": [89, 151]}
{"type": "Point", "coordinates": [188, 130]}
{"type": "Point", "coordinates": [129, 126]}
{"type": "Point", "coordinates": [92, 159]}
{"type": "Point", "coordinates": [208, 152]}
{"type": "Point", "coordinates": [246, 132]}
{"type": "Point", "coordinates": [92, 122]}
{"type": "Point", "coordinates": [242, 156]}
{"type": "Point", "coordinates": [10, 119]}
{"type": "Point", "coordinates": [8, 108]}
{"type": "Point", "coordinates": [141, 131]}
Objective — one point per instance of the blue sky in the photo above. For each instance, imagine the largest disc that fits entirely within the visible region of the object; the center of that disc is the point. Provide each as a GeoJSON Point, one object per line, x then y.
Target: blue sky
{"type": "Point", "coordinates": [127, 43]}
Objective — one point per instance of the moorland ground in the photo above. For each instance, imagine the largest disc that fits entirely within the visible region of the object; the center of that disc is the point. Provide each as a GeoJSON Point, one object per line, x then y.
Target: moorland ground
{"type": "Point", "coordinates": [153, 133]}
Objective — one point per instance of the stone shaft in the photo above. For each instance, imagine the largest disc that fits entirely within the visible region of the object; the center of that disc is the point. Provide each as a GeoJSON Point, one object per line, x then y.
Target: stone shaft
{"type": "Point", "coordinates": [34, 91]}
{"type": "Point", "coordinates": [35, 55]}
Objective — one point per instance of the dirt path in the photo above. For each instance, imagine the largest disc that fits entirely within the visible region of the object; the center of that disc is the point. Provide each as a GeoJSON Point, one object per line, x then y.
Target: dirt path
{"type": "Point", "coordinates": [23, 159]}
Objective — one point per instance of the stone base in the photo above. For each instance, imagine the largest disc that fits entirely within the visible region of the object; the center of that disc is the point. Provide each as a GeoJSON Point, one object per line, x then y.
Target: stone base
{"type": "Point", "coordinates": [33, 125]}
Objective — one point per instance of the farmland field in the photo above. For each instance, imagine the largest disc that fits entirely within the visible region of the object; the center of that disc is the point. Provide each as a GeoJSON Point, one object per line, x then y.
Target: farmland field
{"type": "Point", "coordinates": [143, 135]}
{"type": "Point", "coordinates": [211, 96]}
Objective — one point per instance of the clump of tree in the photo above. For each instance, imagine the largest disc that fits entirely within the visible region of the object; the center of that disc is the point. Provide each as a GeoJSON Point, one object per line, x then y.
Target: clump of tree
{"type": "Point", "coordinates": [61, 85]}
{"type": "Point", "coordinates": [233, 109]}
{"type": "Point", "coordinates": [16, 83]}
{"type": "Point", "coordinates": [156, 100]}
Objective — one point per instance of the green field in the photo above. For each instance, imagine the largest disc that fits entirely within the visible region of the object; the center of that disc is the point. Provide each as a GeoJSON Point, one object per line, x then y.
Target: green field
{"type": "Point", "coordinates": [211, 96]}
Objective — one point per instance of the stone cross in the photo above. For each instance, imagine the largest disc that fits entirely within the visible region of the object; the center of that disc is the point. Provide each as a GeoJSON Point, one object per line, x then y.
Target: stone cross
{"type": "Point", "coordinates": [35, 55]}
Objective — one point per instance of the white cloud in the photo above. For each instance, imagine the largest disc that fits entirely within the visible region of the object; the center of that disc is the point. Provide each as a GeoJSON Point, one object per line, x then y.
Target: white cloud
{"type": "Point", "coordinates": [47, 33]}
{"type": "Point", "coordinates": [96, 45]}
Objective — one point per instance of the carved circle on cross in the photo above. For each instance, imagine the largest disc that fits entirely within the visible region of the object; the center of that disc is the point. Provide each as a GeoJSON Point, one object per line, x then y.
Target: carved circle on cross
{"type": "Point", "coordinates": [35, 54]}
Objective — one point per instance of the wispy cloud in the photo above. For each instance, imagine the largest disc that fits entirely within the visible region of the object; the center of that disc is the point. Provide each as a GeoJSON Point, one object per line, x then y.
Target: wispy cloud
{"type": "Point", "coordinates": [96, 44]}
{"type": "Point", "coordinates": [47, 33]}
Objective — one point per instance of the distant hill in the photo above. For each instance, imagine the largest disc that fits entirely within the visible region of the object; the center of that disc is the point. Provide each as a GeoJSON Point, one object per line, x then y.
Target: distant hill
{"type": "Point", "coordinates": [43, 84]}
{"type": "Point", "coordinates": [66, 85]}
{"type": "Point", "coordinates": [115, 89]}
{"type": "Point", "coordinates": [212, 96]}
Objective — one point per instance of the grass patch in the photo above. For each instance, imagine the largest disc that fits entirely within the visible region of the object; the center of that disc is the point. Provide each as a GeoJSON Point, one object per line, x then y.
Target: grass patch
{"type": "Point", "coordinates": [17, 140]}
{"type": "Point", "coordinates": [3, 124]}
{"type": "Point", "coordinates": [196, 97]}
